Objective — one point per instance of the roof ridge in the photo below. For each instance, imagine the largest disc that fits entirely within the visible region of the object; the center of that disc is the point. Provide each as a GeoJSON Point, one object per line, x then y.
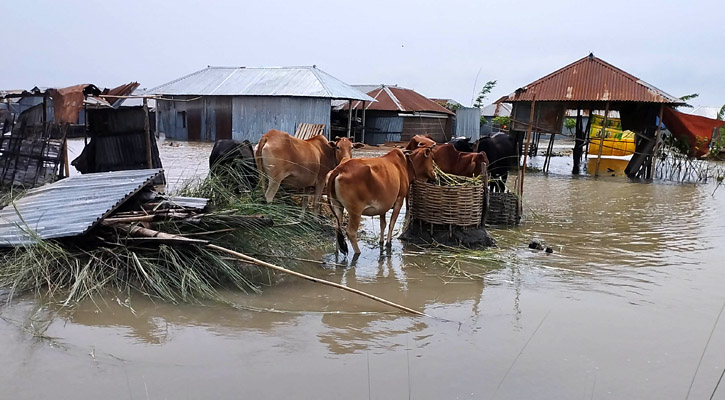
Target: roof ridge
{"type": "Point", "coordinates": [319, 79]}
{"type": "Point", "coordinates": [223, 81]}
{"type": "Point", "coordinates": [179, 79]}
{"type": "Point", "coordinates": [394, 98]}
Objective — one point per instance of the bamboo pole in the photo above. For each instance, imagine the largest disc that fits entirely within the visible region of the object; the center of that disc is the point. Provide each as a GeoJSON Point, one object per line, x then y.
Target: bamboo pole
{"type": "Point", "coordinates": [526, 153]}
{"type": "Point", "coordinates": [601, 138]}
{"type": "Point", "coordinates": [147, 131]}
{"type": "Point", "coordinates": [253, 260]}
{"type": "Point", "coordinates": [137, 230]}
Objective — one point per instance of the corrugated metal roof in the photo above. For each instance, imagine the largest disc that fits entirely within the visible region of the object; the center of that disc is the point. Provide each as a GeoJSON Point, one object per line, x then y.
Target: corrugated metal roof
{"type": "Point", "coordinates": [392, 98]}
{"type": "Point", "coordinates": [69, 207]}
{"type": "Point", "coordinates": [271, 81]}
{"type": "Point", "coordinates": [591, 79]}
{"type": "Point", "coordinates": [497, 110]}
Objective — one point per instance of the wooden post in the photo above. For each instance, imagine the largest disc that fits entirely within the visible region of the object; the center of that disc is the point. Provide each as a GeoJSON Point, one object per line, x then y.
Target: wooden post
{"type": "Point", "coordinates": [526, 153]}
{"type": "Point", "coordinates": [349, 117]}
{"type": "Point", "coordinates": [147, 130]}
{"type": "Point", "coordinates": [66, 163]}
{"type": "Point", "coordinates": [363, 122]}
{"type": "Point", "coordinates": [45, 110]}
{"type": "Point", "coordinates": [601, 138]}
{"type": "Point", "coordinates": [655, 149]}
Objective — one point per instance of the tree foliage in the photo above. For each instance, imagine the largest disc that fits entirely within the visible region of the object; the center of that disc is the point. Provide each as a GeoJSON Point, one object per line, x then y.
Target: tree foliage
{"type": "Point", "coordinates": [688, 97]}
{"type": "Point", "coordinates": [502, 121]}
{"type": "Point", "coordinates": [570, 123]}
{"type": "Point", "coordinates": [485, 90]}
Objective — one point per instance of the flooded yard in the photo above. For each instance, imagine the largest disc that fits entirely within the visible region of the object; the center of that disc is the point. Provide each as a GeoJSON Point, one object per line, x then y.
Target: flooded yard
{"type": "Point", "coordinates": [622, 309]}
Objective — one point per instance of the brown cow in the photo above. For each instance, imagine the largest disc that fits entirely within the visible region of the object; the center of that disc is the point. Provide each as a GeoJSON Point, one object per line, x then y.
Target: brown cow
{"type": "Point", "coordinates": [284, 159]}
{"type": "Point", "coordinates": [452, 161]}
{"type": "Point", "coordinates": [420, 141]}
{"type": "Point", "coordinates": [372, 186]}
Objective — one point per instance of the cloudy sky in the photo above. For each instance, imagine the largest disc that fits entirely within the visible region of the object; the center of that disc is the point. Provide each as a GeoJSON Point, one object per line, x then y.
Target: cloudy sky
{"type": "Point", "coordinates": [435, 47]}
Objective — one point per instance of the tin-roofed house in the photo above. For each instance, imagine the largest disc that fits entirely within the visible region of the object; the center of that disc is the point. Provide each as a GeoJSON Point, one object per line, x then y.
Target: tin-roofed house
{"type": "Point", "coordinates": [244, 103]}
{"type": "Point", "coordinates": [399, 114]}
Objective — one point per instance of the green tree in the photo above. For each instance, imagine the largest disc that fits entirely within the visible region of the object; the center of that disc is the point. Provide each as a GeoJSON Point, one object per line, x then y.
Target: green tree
{"type": "Point", "coordinates": [687, 97]}
{"type": "Point", "coordinates": [485, 90]}
{"type": "Point", "coordinates": [502, 121]}
{"type": "Point", "coordinates": [721, 113]}
{"type": "Point", "coordinates": [570, 123]}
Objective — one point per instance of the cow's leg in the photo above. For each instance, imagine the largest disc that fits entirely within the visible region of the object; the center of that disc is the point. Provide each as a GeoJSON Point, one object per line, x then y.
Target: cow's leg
{"type": "Point", "coordinates": [352, 225]}
{"type": "Point", "coordinates": [319, 185]}
{"type": "Point", "coordinates": [305, 198]}
{"type": "Point", "coordinates": [382, 229]}
{"type": "Point", "coordinates": [396, 210]}
{"type": "Point", "coordinates": [338, 211]}
{"type": "Point", "coordinates": [274, 182]}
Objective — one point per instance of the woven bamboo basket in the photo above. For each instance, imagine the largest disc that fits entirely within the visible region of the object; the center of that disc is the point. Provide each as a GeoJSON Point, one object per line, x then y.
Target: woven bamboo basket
{"type": "Point", "coordinates": [503, 209]}
{"type": "Point", "coordinates": [447, 205]}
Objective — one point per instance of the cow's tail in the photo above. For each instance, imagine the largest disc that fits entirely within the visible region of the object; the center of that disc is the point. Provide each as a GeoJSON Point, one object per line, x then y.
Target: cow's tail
{"type": "Point", "coordinates": [260, 164]}
{"type": "Point", "coordinates": [337, 209]}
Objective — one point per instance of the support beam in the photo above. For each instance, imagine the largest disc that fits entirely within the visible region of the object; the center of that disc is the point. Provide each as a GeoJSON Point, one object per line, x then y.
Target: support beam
{"type": "Point", "coordinates": [526, 153]}
{"type": "Point", "coordinates": [658, 143]}
{"type": "Point", "coordinates": [149, 159]}
{"type": "Point", "coordinates": [601, 138]}
{"type": "Point", "coordinates": [349, 117]}
{"type": "Point", "coordinates": [363, 122]}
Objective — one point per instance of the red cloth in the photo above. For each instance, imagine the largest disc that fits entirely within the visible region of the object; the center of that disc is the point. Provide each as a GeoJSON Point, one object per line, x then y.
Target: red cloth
{"type": "Point", "coordinates": [695, 129]}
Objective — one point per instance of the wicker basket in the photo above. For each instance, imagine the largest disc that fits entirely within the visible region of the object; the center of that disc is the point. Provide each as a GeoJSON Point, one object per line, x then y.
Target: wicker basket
{"type": "Point", "coordinates": [503, 209]}
{"type": "Point", "coordinates": [447, 205]}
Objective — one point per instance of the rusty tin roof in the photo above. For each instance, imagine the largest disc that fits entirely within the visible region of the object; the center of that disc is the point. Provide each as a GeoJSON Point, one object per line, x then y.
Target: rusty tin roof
{"type": "Point", "coordinates": [591, 79]}
{"type": "Point", "coordinates": [391, 98]}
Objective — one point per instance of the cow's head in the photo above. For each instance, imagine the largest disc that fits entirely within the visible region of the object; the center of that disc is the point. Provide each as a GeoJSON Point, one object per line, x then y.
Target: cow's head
{"type": "Point", "coordinates": [420, 141]}
{"type": "Point", "coordinates": [343, 148]}
{"type": "Point", "coordinates": [421, 159]}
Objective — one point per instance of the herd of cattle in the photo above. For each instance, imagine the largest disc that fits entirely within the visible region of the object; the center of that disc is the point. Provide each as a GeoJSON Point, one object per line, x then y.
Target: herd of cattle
{"type": "Point", "coordinates": [362, 186]}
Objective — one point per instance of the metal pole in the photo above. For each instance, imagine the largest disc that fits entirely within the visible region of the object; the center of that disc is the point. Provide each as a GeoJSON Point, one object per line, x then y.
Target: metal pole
{"type": "Point", "coordinates": [656, 147]}
{"type": "Point", "coordinates": [526, 153]}
{"type": "Point", "coordinates": [601, 138]}
{"type": "Point", "coordinates": [349, 117]}
{"type": "Point", "coordinates": [363, 122]}
{"type": "Point", "coordinates": [149, 159]}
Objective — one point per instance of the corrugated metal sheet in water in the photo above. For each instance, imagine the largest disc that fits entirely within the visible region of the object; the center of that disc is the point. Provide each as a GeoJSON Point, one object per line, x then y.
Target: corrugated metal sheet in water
{"type": "Point", "coordinates": [283, 81]}
{"type": "Point", "coordinates": [69, 207]}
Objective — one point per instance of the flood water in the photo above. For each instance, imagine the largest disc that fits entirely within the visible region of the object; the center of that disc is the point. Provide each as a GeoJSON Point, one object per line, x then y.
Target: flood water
{"type": "Point", "coordinates": [622, 309]}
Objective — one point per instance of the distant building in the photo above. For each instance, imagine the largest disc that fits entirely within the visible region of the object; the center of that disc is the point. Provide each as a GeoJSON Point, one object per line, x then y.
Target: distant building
{"type": "Point", "coordinates": [400, 113]}
{"type": "Point", "coordinates": [244, 103]}
{"type": "Point", "coordinates": [492, 111]}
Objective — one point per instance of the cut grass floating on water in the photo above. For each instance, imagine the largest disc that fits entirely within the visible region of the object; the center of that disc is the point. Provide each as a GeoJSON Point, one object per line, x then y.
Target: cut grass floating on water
{"type": "Point", "coordinates": [75, 269]}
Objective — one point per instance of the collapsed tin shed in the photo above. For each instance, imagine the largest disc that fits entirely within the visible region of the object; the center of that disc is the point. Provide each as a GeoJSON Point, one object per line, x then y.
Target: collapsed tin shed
{"type": "Point", "coordinates": [244, 103]}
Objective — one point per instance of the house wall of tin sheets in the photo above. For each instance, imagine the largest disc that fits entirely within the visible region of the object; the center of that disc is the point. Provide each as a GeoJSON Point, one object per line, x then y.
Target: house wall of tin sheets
{"type": "Point", "coordinates": [468, 122]}
{"type": "Point", "coordinates": [381, 129]}
{"type": "Point", "coordinates": [439, 129]}
{"type": "Point", "coordinates": [212, 118]}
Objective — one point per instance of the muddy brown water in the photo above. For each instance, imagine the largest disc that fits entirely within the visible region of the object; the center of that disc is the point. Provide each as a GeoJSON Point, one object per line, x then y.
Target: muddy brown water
{"type": "Point", "coordinates": [621, 310]}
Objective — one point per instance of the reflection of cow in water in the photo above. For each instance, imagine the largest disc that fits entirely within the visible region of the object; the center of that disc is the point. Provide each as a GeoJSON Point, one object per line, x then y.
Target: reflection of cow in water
{"type": "Point", "coordinates": [234, 160]}
{"type": "Point", "coordinates": [502, 156]}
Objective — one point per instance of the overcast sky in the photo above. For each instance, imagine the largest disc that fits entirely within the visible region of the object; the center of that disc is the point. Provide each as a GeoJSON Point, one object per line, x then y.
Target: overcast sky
{"type": "Point", "coordinates": [434, 47]}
